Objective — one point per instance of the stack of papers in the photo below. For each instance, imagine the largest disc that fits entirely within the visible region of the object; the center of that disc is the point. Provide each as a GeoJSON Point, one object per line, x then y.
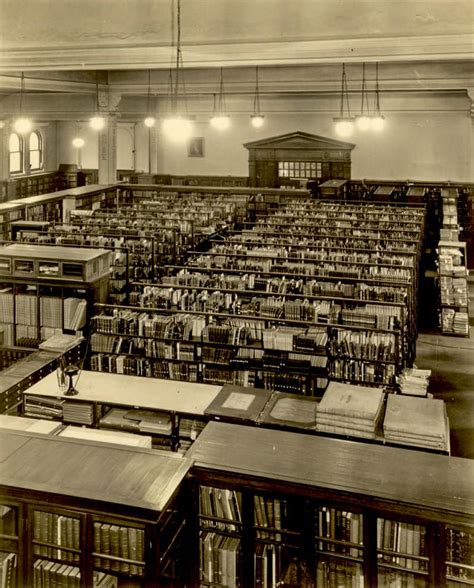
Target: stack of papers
{"type": "Point", "coordinates": [346, 409]}
{"type": "Point", "coordinates": [414, 381]}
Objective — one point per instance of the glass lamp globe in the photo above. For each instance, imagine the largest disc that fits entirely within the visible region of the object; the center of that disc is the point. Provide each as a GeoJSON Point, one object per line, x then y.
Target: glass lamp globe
{"type": "Point", "coordinates": [364, 122]}
{"type": "Point", "coordinates": [257, 120]}
{"type": "Point", "coordinates": [97, 123]}
{"type": "Point", "coordinates": [177, 129]}
{"type": "Point", "coordinates": [22, 125]}
{"type": "Point", "coordinates": [220, 122]}
{"type": "Point", "coordinates": [344, 128]}
{"type": "Point", "coordinates": [78, 142]}
{"type": "Point", "coordinates": [378, 123]}
{"type": "Point", "coordinates": [150, 121]}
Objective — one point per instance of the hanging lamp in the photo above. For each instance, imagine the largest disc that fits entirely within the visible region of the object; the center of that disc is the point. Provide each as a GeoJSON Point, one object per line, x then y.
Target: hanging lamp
{"type": "Point", "coordinates": [344, 122]}
{"type": "Point", "coordinates": [257, 117]}
{"type": "Point", "coordinates": [22, 124]}
{"type": "Point", "coordinates": [378, 120]}
{"type": "Point", "coordinates": [220, 119]}
{"type": "Point", "coordinates": [177, 127]}
{"type": "Point", "coordinates": [364, 120]}
{"type": "Point", "coordinates": [150, 120]}
{"type": "Point", "coordinates": [97, 122]}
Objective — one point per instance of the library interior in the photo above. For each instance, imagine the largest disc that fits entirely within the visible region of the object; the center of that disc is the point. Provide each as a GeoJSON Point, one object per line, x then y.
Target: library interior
{"type": "Point", "coordinates": [236, 294]}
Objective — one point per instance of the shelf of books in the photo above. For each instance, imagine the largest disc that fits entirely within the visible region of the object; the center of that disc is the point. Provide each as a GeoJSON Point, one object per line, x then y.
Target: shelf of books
{"type": "Point", "coordinates": [48, 290]}
{"type": "Point", "coordinates": [452, 269]}
{"type": "Point", "coordinates": [88, 528]}
{"type": "Point", "coordinates": [236, 201]}
{"type": "Point", "coordinates": [11, 549]}
{"type": "Point", "coordinates": [210, 347]}
{"type": "Point", "coordinates": [284, 511]}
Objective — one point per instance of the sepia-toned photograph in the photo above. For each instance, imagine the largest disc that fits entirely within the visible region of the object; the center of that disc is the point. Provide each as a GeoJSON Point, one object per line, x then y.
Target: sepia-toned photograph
{"type": "Point", "coordinates": [236, 293]}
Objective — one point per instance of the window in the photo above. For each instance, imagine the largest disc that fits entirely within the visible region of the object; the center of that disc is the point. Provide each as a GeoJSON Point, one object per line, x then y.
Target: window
{"type": "Point", "coordinates": [15, 147]}
{"type": "Point", "coordinates": [36, 151]}
{"type": "Point", "coordinates": [299, 169]}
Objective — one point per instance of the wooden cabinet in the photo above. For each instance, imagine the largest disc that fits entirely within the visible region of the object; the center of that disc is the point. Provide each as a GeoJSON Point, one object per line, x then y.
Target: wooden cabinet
{"type": "Point", "coordinates": [280, 509]}
{"type": "Point", "coordinates": [66, 520]}
{"type": "Point", "coordinates": [48, 290]}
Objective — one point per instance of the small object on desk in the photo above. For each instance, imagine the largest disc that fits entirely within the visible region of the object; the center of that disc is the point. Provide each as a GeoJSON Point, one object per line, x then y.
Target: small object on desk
{"type": "Point", "coordinates": [238, 402]}
{"type": "Point", "coordinates": [70, 371]}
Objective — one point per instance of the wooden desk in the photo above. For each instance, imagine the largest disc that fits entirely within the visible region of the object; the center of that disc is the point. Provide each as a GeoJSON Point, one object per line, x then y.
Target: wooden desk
{"type": "Point", "coordinates": [121, 390]}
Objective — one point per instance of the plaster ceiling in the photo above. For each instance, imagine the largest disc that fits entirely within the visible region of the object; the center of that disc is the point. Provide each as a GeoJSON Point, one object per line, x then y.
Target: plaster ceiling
{"type": "Point", "coordinates": [299, 45]}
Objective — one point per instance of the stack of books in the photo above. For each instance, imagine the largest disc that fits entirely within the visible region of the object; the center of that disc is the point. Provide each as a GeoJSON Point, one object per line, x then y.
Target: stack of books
{"type": "Point", "coordinates": [414, 381]}
{"type": "Point", "coordinates": [78, 412]}
{"type": "Point", "coordinates": [461, 323]}
{"type": "Point", "coordinates": [346, 409]}
{"type": "Point", "coordinates": [43, 407]}
{"type": "Point", "coordinates": [422, 422]}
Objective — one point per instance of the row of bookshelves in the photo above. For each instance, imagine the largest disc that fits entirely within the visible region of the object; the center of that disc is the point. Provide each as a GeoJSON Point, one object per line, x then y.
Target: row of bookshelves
{"type": "Point", "coordinates": [248, 506]}
{"type": "Point", "coordinates": [286, 539]}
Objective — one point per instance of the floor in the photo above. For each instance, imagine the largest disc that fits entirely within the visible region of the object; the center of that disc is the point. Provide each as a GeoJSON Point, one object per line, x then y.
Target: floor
{"type": "Point", "coordinates": [451, 360]}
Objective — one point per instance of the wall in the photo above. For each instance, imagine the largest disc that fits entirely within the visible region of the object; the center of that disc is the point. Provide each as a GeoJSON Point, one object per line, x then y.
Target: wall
{"type": "Point", "coordinates": [428, 136]}
{"type": "Point", "coordinates": [435, 146]}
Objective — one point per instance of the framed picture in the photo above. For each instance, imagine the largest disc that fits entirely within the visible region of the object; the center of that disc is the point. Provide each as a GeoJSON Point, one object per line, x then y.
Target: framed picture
{"type": "Point", "coordinates": [196, 147]}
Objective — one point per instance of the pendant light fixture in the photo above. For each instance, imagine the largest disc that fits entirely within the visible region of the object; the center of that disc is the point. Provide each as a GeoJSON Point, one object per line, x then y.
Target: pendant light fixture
{"type": "Point", "coordinates": [97, 122]}
{"type": "Point", "coordinates": [344, 122]}
{"type": "Point", "coordinates": [364, 120]}
{"type": "Point", "coordinates": [220, 119]}
{"type": "Point", "coordinates": [378, 120]}
{"type": "Point", "coordinates": [150, 120]}
{"type": "Point", "coordinates": [22, 124]}
{"type": "Point", "coordinates": [257, 117]}
{"type": "Point", "coordinates": [177, 127]}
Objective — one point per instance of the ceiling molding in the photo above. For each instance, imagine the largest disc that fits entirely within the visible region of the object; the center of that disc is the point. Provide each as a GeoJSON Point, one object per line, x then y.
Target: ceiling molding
{"type": "Point", "coordinates": [283, 52]}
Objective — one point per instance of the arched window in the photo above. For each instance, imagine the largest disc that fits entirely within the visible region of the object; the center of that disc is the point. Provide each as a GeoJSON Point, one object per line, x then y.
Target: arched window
{"type": "Point", "coordinates": [15, 147]}
{"type": "Point", "coordinates": [36, 151]}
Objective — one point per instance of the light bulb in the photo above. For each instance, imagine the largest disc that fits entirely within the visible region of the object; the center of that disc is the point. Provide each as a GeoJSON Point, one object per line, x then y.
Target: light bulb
{"type": "Point", "coordinates": [220, 122]}
{"type": "Point", "coordinates": [344, 128]}
{"type": "Point", "coordinates": [257, 120]}
{"type": "Point", "coordinates": [150, 121]}
{"type": "Point", "coordinates": [22, 125]}
{"type": "Point", "coordinates": [177, 129]}
{"type": "Point", "coordinates": [97, 123]}
{"type": "Point", "coordinates": [364, 122]}
{"type": "Point", "coordinates": [378, 122]}
{"type": "Point", "coordinates": [78, 142]}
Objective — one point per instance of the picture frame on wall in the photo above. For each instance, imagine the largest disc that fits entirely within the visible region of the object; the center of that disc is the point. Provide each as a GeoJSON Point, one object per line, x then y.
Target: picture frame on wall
{"type": "Point", "coordinates": [196, 147]}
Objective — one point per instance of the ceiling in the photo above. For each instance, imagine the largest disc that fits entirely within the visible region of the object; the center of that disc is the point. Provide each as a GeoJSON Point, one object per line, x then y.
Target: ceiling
{"type": "Point", "coordinates": [64, 47]}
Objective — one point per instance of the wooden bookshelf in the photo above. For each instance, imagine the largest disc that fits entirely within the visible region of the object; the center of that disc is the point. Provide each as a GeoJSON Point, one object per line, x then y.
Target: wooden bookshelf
{"type": "Point", "coordinates": [322, 510]}
{"type": "Point", "coordinates": [47, 290]}
{"type": "Point", "coordinates": [453, 288]}
{"type": "Point", "coordinates": [123, 525]}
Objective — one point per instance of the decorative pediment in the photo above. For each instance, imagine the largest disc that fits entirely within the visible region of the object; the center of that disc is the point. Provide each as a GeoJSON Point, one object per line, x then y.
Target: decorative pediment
{"type": "Point", "coordinates": [299, 140]}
